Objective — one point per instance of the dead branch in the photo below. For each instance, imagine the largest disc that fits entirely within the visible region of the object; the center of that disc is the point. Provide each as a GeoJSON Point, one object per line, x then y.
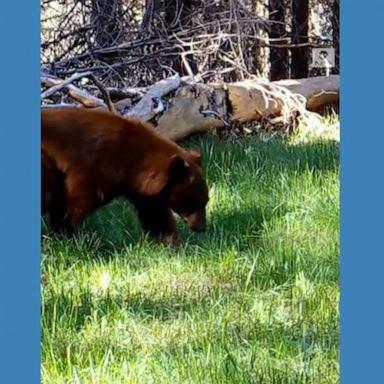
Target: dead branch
{"type": "Point", "coordinates": [84, 97]}
{"type": "Point", "coordinates": [75, 93]}
{"type": "Point", "coordinates": [58, 106]}
{"type": "Point", "coordinates": [104, 93]}
{"type": "Point", "coordinates": [63, 84]}
{"type": "Point", "coordinates": [123, 93]}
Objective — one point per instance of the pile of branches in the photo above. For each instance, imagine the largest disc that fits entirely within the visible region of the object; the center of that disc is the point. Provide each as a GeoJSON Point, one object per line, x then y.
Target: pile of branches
{"type": "Point", "coordinates": [144, 43]}
{"type": "Point", "coordinates": [190, 64]}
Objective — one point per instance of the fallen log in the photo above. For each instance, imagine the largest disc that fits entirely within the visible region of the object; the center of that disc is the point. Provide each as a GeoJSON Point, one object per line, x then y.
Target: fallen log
{"type": "Point", "coordinates": [196, 108]}
{"type": "Point", "coordinates": [257, 99]}
{"type": "Point", "coordinates": [319, 91]}
{"type": "Point", "coordinates": [201, 108]}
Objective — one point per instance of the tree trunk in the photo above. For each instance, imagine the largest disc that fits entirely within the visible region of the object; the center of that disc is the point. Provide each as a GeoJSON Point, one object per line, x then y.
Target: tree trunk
{"type": "Point", "coordinates": [278, 57]}
{"type": "Point", "coordinates": [262, 53]}
{"type": "Point", "coordinates": [300, 15]}
{"type": "Point", "coordinates": [336, 32]}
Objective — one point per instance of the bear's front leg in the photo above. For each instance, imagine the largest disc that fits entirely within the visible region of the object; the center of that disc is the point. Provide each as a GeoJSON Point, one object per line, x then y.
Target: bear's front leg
{"type": "Point", "coordinates": [157, 220]}
{"type": "Point", "coordinates": [59, 218]}
{"type": "Point", "coordinates": [57, 210]}
{"type": "Point", "coordinates": [53, 198]}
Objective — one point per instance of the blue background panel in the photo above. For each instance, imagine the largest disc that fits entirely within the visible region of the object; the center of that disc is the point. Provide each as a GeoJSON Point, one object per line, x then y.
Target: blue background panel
{"type": "Point", "coordinates": [362, 192]}
{"type": "Point", "coordinates": [20, 192]}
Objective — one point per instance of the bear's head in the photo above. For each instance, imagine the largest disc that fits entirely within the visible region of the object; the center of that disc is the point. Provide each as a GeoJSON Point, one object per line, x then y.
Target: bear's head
{"type": "Point", "coordinates": [188, 191]}
{"type": "Point", "coordinates": [181, 184]}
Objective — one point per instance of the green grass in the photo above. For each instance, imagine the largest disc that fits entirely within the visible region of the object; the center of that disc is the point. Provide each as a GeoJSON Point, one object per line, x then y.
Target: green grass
{"type": "Point", "coordinates": [253, 300]}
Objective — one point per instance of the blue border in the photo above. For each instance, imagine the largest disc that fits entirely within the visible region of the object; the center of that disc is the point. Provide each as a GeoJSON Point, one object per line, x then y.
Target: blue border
{"type": "Point", "coordinates": [20, 192]}
{"type": "Point", "coordinates": [362, 192]}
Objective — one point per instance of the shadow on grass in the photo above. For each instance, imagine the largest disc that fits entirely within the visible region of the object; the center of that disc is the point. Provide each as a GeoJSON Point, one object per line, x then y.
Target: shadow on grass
{"type": "Point", "coordinates": [143, 308]}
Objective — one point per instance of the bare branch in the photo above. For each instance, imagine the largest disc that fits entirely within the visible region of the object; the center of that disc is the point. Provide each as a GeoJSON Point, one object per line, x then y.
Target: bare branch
{"type": "Point", "coordinates": [104, 92]}
{"type": "Point", "coordinates": [63, 84]}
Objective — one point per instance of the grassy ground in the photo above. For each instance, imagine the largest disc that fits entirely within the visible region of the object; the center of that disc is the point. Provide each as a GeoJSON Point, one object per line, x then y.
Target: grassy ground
{"type": "Point", "coordinates": [254, 300]}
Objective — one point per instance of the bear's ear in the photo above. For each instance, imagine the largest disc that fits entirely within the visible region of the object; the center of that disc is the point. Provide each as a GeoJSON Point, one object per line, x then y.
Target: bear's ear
{"type": "Point", "coordinates": [195, 155]}
{"type": "Point", "coordinates": [178, 168]}
{"type": "Point", "coordinates": [155, 181]}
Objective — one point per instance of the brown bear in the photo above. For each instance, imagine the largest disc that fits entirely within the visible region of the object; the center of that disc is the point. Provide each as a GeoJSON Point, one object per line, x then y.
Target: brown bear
{"type": "Point", "coordinates": [91, 157]}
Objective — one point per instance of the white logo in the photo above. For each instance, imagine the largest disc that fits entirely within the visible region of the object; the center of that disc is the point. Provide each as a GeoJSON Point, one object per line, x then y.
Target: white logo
{"type": "Point", "coordinates": [323, 58]}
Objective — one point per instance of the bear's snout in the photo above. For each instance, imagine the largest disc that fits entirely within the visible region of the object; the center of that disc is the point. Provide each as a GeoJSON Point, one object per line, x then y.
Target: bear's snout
{"type": "Point", "coordinates": [196, 221]}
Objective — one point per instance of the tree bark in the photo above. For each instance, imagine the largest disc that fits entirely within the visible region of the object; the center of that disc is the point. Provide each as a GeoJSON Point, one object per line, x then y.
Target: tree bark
{"type": "Point", "coordinates": [300, 16]}
{"type": "Point", "coordinates": [278, 57]}
{"type": "Point", "coordinates": [336, 33]}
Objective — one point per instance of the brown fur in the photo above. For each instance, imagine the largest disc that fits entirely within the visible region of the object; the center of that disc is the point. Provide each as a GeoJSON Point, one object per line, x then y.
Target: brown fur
{"type": "Point", "coordinates": [96, 156]}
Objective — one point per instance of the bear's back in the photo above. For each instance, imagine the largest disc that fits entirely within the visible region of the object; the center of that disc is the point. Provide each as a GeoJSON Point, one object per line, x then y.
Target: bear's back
{"type": "Point", "coordinates": [90, 139]}
{"type": "Point", "coordinates": [79, 127]}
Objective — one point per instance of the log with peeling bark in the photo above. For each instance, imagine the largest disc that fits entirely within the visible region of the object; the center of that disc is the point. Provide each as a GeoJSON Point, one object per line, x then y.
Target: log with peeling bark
{"type": "Point", "coordinates": [196, 108]}
{"type": "Point", "coordinates": [253, 100]}
{"type": "Point", "coordinates": [201, 108]}
{"type": "Point", "coordinates": [319, 91]}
